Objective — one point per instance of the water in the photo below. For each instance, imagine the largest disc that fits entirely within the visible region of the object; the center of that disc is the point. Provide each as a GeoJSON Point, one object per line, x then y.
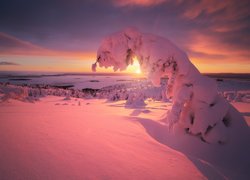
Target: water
{"type": "Point", "coordinates": [77, 81]}
{"type": "Point", "coordinates": [97, 81]}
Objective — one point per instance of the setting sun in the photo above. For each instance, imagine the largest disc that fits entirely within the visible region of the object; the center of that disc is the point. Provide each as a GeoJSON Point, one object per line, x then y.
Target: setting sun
{"type": "Point", "coordinates": [135, 67]}
{"type": "Point", "coordinates": [138, 71]}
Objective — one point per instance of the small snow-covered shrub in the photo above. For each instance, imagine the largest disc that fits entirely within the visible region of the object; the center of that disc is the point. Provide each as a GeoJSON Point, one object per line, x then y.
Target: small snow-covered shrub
{"type": "Point", "coordinates": [135, 100]}
{"type": "Point", "coordinates": [14, 92]}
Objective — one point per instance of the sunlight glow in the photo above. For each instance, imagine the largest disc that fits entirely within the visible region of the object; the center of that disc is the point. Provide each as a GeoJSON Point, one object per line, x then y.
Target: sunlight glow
{"type": "Point", "coordinates": [138, 71]}
{"type": "Point", "coordinates": [135, 67]}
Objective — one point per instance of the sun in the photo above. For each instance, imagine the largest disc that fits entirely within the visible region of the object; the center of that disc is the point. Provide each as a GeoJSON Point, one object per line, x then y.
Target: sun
{"type": "Point", "coordinates": [135, 67]}
{"type": "Point", "coordinates": [138, 71]}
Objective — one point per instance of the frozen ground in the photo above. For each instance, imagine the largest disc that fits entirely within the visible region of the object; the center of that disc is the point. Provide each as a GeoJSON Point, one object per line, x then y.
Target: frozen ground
{"type": "Point", "coordinates": [56, 138]}
{"type": "Point", "coordinates": [93, 140]}
{"type": "Point", "coordinates": [78, 138]}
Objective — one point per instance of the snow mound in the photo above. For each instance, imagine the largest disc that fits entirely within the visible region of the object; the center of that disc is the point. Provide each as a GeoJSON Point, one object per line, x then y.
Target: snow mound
{"type": "Point", "coordinates": [197, 106]}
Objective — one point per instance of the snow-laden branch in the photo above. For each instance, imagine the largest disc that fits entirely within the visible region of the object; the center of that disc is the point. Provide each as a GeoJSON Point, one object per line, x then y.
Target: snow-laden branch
{"type": "Point", "coordinates": [197, 107]}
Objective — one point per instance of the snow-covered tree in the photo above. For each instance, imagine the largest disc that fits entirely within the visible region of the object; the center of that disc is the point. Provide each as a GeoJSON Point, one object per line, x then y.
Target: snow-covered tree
{"type": "Point", "coordinates": [197, 107]}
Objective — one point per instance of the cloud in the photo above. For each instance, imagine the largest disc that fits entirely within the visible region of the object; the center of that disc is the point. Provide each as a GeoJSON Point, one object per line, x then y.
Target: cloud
{"type": "Point", "coordinates": [204, 55]}
{"type": "Point", "coordinates": [215, 48]}
{"type": "Point", "coordinates": [5, 63]}
{"type": "Point", "coordinates": [10, 45]}
{"type": "Point", "coordinates": [210, 31]}
{"type": "Point", "coordinates": [220, 15]}
{"type": "Point", "coordinates": [231, 9]}
{"type": "Point", "coordinates": [138, 2]}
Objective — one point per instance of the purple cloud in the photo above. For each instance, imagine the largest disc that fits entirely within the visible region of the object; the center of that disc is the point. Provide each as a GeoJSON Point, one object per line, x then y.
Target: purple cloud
{"type": "Point", "coordinates": [5, 63]}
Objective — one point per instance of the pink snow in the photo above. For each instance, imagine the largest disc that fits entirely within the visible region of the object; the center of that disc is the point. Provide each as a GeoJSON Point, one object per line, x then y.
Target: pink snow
{"type": "Point", "coordinates": [58, 139]}
{"type": "Point", "coordinates": [244, 108]}
{"type": "Point", "coordinates": [94, 139]}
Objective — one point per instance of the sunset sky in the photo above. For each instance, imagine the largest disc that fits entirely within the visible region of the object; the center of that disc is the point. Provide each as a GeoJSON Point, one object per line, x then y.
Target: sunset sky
{"type": "Point", "coordinates": [63, 35]}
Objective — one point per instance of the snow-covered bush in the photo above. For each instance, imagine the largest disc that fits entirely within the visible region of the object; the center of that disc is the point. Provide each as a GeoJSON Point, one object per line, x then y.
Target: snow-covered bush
{"type": "Point", "coordinates": [136, 100]}
{"type": "Point", "coordinates": [197, 106]}
{"type": "Point", "coordinates": [32, 93]}
{"type": "Point", "coordinates": [112, 93]}
{"type": "Point", "coordinates": [14, 92]}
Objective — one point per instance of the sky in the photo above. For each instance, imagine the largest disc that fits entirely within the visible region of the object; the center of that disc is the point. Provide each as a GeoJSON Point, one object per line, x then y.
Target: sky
{"type": "Point", "coordinates": [63, 35]}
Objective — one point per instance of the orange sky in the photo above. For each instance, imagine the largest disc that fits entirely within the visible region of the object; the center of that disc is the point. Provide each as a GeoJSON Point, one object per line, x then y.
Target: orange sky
{"type": "Point", "coordinates": [81, 62]}
{"type": "Point", "coordinates": [64, 37]}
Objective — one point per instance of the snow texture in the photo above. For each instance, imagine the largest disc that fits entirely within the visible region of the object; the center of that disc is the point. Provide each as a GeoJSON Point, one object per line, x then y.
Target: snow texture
{"type": "Point", "coordinates": [197, 106]}
{"type": "Point", "coordinates": [112, 93]}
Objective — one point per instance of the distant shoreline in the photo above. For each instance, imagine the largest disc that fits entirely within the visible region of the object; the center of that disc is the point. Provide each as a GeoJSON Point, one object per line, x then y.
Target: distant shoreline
{"type": "Point", "coordinates": [37, 75]}
{"type": "Point", "coordinates": [229, 75]}
{"type": "Point", "coordinates": [9, 74]}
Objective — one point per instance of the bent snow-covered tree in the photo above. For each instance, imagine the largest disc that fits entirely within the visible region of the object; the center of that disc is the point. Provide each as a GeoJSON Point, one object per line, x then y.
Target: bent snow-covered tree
{"type": "Point", "coordinates": [197, 107]}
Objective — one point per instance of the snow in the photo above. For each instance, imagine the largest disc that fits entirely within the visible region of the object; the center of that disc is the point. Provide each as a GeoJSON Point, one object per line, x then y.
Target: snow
{"type": "Point", "coordinates": [244, 109]}
{"type": "Point", "coordinates": [64, 137]}
{"type": "Point", "coordinates": [197, 106]}
{"type": "Point", "coordinates": [136, 100]}
{"type": "Point", "coordinates": [55, 138]}
{"type": "Point", "coordinates": [76, 142]}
